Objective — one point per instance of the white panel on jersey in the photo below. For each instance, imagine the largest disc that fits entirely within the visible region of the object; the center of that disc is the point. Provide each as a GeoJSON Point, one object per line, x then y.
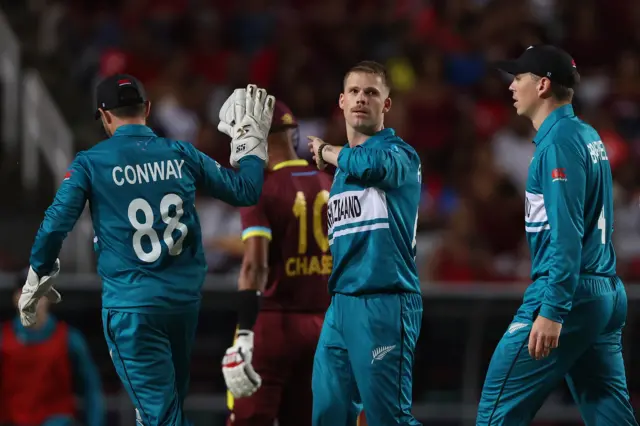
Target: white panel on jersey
{"type": "Point", "coordinates": [353, 207]}
{"type": "Point", "coordinates": [534, 209]}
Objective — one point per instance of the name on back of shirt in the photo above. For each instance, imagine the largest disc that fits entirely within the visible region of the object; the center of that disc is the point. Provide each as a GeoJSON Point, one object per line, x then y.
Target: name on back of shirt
{"type": "Point", "coordinates": [147, 172]}
{"type": "Point", "coordinates": [597, 151]}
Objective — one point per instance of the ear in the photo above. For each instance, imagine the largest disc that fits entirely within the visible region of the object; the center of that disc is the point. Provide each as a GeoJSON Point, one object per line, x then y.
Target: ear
{"type": "Point", "coordinates": [387, 105]}
{"type": "Point", "coordinates": [106, 116]}
{"type": "Point", "coordinates": [147, 109]}
{"type": "Point", "coordinates": [341, 101]}
{"type": "Point", "coordinates": [544, 88]}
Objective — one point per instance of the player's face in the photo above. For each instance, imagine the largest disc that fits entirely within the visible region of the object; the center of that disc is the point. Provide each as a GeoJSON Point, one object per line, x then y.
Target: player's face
{"type": "Point", "coordinates": [526, 94]}
{"type": "Point", "coordinates": [364, 102]}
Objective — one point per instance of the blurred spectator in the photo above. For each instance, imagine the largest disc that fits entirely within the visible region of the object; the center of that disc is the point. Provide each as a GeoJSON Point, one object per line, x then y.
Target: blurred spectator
{"type": "Point", "coordinates": [43, 369]}
{"type": "Point", "coordinates": [221, 234]}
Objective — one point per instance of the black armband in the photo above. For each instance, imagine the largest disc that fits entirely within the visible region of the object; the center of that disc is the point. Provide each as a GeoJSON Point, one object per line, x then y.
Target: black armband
{"type": "Point", "coordinates": [248, 308]}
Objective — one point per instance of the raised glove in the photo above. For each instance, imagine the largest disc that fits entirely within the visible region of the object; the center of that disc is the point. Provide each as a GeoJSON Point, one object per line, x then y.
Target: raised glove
{"type": "Point", "coordinates": [239, 375]}
{"type": "Point", "coordinates": [33, 290]}
{"type": "Point", "coordinates": [246, 117]}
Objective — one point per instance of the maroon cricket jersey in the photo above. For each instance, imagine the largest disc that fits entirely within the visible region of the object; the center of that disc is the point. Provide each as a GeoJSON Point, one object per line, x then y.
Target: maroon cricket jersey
{"type": "Point", "coordinates": [292, 214]}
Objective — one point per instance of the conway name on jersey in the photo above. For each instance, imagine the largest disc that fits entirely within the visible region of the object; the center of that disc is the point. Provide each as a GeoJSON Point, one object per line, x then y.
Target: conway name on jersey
{"type": "Point", "coordinates": [372, 217]}
{"type": "Point", "coordinates": [568, 211]}
{"type": "Point", "coordinates": [141, 193]}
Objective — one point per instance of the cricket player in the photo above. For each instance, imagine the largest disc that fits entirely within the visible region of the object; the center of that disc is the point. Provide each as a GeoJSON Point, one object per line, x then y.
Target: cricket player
{"type": "Point", "coordinates": [366, 350]}
{"type": "Point", "coordinates": [43, 370]}
{"type": "Point", "coordinates": [569, 325]}
{"type": "Point", "coordinates": [141, 191]}
{"type": "Point", "coordinates": [282, 288]}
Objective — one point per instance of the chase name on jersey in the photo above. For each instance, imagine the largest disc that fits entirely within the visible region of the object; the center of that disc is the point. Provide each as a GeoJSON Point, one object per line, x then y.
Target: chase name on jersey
{"type": "Point", "coordinates": [137, 174]}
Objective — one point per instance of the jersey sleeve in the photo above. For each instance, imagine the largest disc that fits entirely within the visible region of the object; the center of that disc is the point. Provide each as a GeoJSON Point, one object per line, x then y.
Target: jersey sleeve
{"type": "Point", "coordinates": [62, 215]}
{"type": "Point", "coordinates": [384, 168]}
{"type": "Point", "coordinates": [87, 379]}
{"type": "Point", "coordinates": [238, 188]}
{"type": "Point", "coordinates": [255, 222]}
{"type": "Point", "coordinates": [563, 176]}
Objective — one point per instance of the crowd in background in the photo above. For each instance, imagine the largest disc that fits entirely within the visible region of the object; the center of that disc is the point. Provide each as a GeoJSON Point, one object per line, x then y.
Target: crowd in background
{"type": "Point", "coordinates": [447, 102]}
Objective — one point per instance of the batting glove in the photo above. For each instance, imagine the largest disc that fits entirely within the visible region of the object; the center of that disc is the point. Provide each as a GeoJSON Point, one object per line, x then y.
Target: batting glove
{"type": "Point", "coordinates": [33, 290]}
{"type": "Point", "coordinates": [246, 117]}
{"type": "Point", "coordinates": [239, 375]}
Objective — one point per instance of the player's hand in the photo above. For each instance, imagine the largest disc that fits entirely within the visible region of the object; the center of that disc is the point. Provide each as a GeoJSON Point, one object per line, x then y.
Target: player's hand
{"type": "Point", "coordinates": [239, 375]}
{"type": "Point", "coordinates": [246, 117]}
{"type": "Point", "coordinates": [314, 145]}
{"type": "Point", "coordinates": [33, 290]}
{"type": "Point", "coordinates": [544, 337]}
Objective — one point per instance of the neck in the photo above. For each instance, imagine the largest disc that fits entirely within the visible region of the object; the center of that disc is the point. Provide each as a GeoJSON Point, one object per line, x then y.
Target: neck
{"type": "Point", "coordinates": [125, 121]}
{"type": "Point", "coordinates": [356, 138]}
{"type": "Point", "coordinates": [279, 154]}
{"type": "Point", "coordinates": [541, 114]}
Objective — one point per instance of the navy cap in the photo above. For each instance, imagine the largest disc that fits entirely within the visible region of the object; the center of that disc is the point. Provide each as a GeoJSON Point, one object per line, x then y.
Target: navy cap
{"type": "Point", "coordinates": [544, 61]}
{"type": "Point", "coordinates": [117, 91]}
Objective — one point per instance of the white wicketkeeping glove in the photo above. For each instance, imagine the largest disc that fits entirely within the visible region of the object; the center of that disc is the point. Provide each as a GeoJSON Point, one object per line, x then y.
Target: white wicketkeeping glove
{"type": "Point", "coordinates": [239, 375]}
{"type": "Point", "coordinates": [246, 117]}
{"type": "Point", "coordinates": [33, 290]}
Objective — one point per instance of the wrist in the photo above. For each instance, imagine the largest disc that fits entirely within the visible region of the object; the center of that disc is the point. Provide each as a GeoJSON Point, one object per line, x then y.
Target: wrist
{"type": "Point", "coordinates": [248, 309]}
{"type": "Point", "coordinates": [321, 148]}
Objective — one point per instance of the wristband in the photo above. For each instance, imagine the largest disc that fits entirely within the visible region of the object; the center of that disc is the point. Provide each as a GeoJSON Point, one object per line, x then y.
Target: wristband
{"type": "Point", "coordinates": [248, 308]}
{"type": "Point", "coordinates": [321, 162]}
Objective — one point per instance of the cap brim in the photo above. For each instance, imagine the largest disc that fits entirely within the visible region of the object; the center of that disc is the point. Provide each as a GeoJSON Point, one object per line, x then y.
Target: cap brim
{"type": "Point", "coordinates": [510, 67]}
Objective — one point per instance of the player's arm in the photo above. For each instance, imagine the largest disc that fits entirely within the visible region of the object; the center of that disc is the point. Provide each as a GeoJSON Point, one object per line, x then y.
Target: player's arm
{"type": "Point", "coordinates": [237, 188]}
{"type": "Point", "coordinates": [562, 172]}
{"type": "Point", "coordinates": [256, 236]}
{"type": "Point", "coordinates": [384, 168]}
{"type": "Point", "coordinates": [87, 379]}
{"type": "Point", "coordinates": [61, 216]}
{"type": "Point", "coordinates": [239, 375]}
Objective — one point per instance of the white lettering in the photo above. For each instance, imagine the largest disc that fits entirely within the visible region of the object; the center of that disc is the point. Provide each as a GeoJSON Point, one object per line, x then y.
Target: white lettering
{"type": "Point", "coordinates": [180, 164]}
{"type": "Point", "coordinates": [158, 169]}
{"type": "Point", "coordinates": [142, 173]}
{"type": "Point", "coordinates": [131, 178]}
{"type": "Point", "coordinates": [597, 152]}
{"type": "Point", "coordinates": [147, 172]}
{"type": "Point", "coordinates": [117, 181]}
{"type": "Point", "coordinates": [171, 171]}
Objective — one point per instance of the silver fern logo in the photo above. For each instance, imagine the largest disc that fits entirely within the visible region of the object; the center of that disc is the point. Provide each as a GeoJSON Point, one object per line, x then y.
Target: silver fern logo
{"type": "Point", "coordinates": [380, 352]}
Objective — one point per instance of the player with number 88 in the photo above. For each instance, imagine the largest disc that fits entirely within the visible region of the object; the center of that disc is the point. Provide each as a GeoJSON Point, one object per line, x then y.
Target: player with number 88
{"type": "Point", "coordinates": [141, 193]}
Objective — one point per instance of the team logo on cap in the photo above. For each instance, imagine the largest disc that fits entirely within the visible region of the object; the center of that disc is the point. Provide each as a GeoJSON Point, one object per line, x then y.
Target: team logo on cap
{"type": "Point", "coordinates": [287, 119]}
{"type": "Point", "coordinates": [124, 82]}
{"type": "Point", "coordinates": [573, 63]}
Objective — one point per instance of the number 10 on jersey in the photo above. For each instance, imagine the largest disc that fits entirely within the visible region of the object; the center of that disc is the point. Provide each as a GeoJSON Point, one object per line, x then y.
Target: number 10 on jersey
{"type": "Point", "coordinates": [144, 227]}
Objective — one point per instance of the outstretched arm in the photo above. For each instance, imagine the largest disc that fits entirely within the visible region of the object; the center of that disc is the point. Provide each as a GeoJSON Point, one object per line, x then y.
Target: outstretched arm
{"type": "Point", "coordinates": [61, 216]}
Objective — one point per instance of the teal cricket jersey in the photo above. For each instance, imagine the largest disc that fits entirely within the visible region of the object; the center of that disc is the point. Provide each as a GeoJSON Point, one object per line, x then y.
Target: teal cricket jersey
{"type": "Point", "coordinates": [141, 192]}
{"type": "Point", "coordinates": [372, 217]}
{"type": "Point", "coordinates": [568, 210]}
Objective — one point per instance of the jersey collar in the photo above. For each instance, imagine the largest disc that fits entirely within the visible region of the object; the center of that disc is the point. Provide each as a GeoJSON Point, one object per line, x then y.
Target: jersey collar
{"type": "Point", "coordinates": [134, 130]}
{"type": "Point", "coordinates": [551, 120]}
{"type": "Point", "coordinates": [290, 163]}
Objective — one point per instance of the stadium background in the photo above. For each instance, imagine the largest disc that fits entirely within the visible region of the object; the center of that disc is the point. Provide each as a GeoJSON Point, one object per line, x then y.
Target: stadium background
{"type": "Point", "coordinates": [457, 113]}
